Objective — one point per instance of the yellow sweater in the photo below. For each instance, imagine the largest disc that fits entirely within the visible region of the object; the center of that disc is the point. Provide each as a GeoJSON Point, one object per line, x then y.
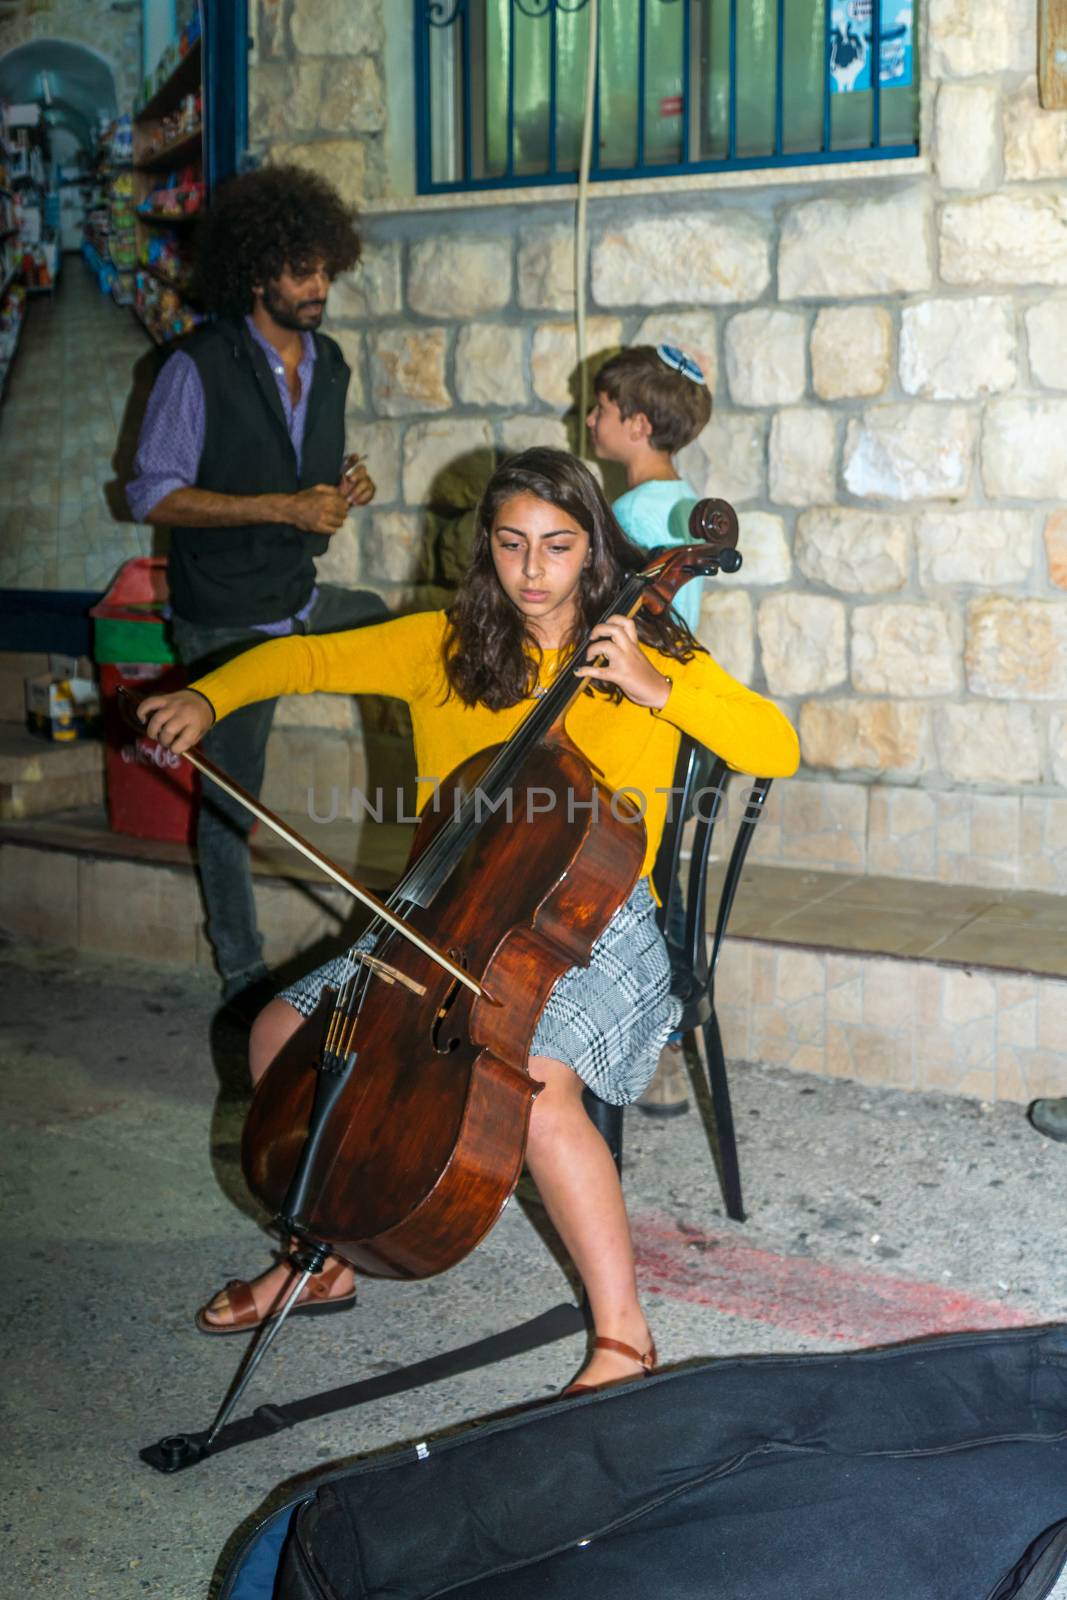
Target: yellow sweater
{"type": "Point", "coordinates": [634, 748]}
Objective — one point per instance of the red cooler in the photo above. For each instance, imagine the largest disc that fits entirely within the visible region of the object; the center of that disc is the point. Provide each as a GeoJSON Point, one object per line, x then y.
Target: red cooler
{"type": "Point", "coordinates": [151, 793]}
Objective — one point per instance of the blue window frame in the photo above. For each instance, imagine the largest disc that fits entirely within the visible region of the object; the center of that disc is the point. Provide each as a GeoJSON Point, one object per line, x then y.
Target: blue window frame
{"type": "Point", "coordinates": [226, 42]}
{"type": "Point", "coordinates": [681, 86]}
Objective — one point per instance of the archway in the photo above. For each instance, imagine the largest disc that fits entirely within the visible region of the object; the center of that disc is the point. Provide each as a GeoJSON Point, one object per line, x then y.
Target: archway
{"type": "Point", "coordinates": [75, 84]}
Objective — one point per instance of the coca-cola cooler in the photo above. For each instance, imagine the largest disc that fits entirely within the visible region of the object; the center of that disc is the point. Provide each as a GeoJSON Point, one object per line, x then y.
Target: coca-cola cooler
{"type": "Point", "coordinates": [151, 793]}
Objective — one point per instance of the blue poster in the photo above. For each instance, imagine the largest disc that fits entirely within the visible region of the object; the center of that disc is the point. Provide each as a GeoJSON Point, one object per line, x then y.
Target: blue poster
{"type": "Point", "coordinates": [851, 44]}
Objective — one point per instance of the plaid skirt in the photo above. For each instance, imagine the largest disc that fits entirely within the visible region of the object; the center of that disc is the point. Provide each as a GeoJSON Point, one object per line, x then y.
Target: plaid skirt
{"type": "Point", "coordinates": [607, 1021]}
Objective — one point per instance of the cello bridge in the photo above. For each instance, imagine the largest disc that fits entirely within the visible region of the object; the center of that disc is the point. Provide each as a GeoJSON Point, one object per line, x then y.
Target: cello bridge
{"type": "Point", "coordinates": [390, 974]}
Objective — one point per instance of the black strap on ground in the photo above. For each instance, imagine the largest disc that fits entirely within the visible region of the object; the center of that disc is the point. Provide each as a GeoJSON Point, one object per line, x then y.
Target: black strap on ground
{"type": "Point", "coordinates": [176, 1451]}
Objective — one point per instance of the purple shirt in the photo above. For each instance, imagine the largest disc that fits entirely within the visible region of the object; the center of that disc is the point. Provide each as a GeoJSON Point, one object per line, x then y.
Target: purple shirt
{"type": "Point", "coordinates": [172, 433]}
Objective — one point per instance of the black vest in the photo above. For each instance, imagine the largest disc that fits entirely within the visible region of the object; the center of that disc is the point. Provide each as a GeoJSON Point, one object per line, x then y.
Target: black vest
{"type": "Point", "coordinates": [262, 572]}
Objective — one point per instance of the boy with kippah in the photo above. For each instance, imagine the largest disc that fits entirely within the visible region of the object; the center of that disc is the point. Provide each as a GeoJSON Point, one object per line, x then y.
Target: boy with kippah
{"type": "Point", "coordinates": [651, 401]}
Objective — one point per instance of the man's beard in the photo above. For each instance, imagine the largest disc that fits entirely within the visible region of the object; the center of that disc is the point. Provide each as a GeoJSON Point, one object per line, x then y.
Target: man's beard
{"type": "Point", "coordinates": [298, 316]}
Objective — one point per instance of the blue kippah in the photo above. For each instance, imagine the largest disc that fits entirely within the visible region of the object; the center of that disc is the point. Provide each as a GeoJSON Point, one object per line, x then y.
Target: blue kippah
{"type": "Point", "coordinates": [680, 362]}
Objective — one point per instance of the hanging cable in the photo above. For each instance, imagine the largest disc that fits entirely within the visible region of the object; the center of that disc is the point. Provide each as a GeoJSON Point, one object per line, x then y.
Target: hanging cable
{"type": "Point", "coordinates": [580, 235]}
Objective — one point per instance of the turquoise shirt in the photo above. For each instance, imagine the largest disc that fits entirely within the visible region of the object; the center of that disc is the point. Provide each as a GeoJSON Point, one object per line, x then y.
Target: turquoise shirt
{"type": "Point", "coordinates": [657, 513]}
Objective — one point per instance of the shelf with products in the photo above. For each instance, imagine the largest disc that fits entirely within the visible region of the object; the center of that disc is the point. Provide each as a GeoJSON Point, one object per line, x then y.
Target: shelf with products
{"type": "Point", "coordinates": [29, 209]}
{"type": "Point", "coordinates": [12, 317]}
{"type": "Point", "coordinates": [116, 145]}
{"type": "Point", "coordinates": [122, 226]}
{"type": "Point", "coordinates": [159, 306]}
{"type": "Point", "coordinates": [110, 243]}
{"type": "Point", "coordinates": [181, 284]}
{"type": "Point", "coordinates": [10, 263]}
{"type": "Point", "coordinates": [168, 130]}
{"type": "Point", "coordinates": [168, 255]}
{"type": "Point", "coordinates": [142, 318]}
{"type": "Point", "coordinates": [8, 217]}
{"type": "Point", "coordinates": [170, 218]}
{"type": "Point", "coordinates": [122, 289]}
{"type": "Point", "coordinates": [180, 199]}
{"type": "Point", "coordinates": [25, 160]}
{"type": "Point", "coordinates": [178, 75]}
{"type": "Point", "coordinates": [169, 190]}
{"type": "Point", "coordinates": [186, 147]}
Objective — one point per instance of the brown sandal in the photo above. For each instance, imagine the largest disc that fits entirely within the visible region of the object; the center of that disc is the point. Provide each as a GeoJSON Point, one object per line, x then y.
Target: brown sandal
{"type": "Point", "coordinates": [315, 1302]}
{"type": "Point", "coordinates": [646, 1361]}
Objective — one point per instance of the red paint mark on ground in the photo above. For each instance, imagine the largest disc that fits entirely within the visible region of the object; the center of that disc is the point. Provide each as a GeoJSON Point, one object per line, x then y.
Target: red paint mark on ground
{"type": "Point", "coordinates": [805, 1296]}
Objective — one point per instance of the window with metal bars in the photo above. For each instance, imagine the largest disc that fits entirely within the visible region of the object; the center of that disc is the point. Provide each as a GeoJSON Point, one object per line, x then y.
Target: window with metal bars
{"type": "Point", "coordinates": [681, 86]}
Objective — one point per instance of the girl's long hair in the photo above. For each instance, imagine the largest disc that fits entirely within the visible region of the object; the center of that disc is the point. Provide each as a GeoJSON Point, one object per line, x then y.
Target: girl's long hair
{"type": "Point", "coordinates": [489, 656]}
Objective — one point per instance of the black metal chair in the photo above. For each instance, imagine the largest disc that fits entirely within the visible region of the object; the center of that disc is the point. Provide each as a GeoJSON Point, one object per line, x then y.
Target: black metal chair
{"type": "Point", "coordinates": [700, 787]}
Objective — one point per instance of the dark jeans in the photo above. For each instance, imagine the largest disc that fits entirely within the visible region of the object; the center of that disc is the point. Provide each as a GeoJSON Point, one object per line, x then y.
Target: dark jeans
{"type": "Point", "coordinates": [238, 744]}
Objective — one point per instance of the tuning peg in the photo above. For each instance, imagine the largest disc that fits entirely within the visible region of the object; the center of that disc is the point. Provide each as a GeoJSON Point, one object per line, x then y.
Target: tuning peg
{"type": "Point", "coordinates": [713, 522]}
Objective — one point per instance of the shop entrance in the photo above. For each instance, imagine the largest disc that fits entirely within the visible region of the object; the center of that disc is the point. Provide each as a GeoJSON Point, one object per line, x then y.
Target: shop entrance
{"type": "Point", "coordinates": [107, 158]}
{"type": "Point", "coordinates": [72, 351]}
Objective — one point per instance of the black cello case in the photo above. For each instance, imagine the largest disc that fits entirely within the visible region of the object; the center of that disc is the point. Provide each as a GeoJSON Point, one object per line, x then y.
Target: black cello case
{"type": "Point", "coordinates": [930, 1471]}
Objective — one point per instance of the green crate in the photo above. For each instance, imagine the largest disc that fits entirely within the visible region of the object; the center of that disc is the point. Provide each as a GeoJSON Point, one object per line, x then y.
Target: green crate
{"type": "Point", "coordinates": [118, 639]}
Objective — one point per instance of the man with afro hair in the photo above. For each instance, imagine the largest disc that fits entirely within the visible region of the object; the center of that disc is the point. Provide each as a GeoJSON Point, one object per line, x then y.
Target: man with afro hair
{"type": "Point", "coordinates": [242, 457]}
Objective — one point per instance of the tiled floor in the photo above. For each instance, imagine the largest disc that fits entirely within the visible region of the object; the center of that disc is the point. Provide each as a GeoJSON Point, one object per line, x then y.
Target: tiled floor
{"type": "Point", "coordinates": [68, 426]}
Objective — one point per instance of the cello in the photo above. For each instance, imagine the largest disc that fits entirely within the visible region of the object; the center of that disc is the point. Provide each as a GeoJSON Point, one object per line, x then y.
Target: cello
{"type": "Point", "coordinates": [391, 1129]}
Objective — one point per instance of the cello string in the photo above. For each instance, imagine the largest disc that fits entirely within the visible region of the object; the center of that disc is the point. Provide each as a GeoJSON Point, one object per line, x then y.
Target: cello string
{"type": "Point", "coordinates": [352, 992]}
{"type": "Point", "coordinates": [449, 843]}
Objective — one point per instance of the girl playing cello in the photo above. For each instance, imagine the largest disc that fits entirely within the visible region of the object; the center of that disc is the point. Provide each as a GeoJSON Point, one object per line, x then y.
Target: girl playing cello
{"type": "Point", "coordinates": [548, 559]}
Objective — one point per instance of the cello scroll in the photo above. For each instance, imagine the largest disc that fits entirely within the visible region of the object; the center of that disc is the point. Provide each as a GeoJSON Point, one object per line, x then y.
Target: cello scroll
{"type": "Point", "coordinates": [713, 527]}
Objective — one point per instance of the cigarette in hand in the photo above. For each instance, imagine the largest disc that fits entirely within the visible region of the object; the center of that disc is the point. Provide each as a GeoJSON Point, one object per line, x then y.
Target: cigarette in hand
{"type": "Point", "coordinates": [352, 463]}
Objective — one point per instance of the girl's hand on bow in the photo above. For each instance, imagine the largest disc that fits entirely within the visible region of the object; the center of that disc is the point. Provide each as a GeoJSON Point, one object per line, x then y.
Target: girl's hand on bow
{"type": "Point", "coordinates": [616, 657]}
{"type": "Point", "coordinates": [178, 720]}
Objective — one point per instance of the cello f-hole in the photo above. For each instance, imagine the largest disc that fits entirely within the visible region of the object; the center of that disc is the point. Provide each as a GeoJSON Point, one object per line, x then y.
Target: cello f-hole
{"type": "Point", "coordinates": [445, 1033]}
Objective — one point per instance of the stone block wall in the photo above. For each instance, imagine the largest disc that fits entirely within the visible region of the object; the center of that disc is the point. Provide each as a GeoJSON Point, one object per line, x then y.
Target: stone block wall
{"type": "Point", "coordinates": [888, 356]}
{"type": "Point", "coordinates": [910, 1024]}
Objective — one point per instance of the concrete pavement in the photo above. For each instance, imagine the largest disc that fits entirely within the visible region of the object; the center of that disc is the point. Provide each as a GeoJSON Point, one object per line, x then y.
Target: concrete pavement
{"type": "Point", "coordinates": [875, 1215]}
